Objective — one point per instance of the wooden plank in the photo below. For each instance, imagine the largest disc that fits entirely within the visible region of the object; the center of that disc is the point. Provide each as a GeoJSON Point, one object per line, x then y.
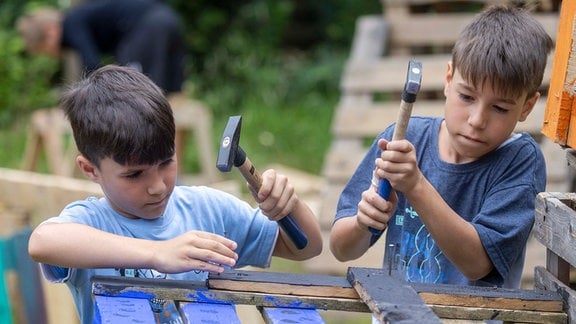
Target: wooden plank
{"type": "Point", "coordinates": [555, 223]}
{"type": "Point", "coordinates": [489, 297]}
{"type": "Point", "coordinates": [388, 73]}
{"type": "Point", "coordinates": [369, 38]}
{"type": "Point", "coordinates": [283, 283]}
{"type": "Point", "coordinates": [191, 116]}
{"type": "Point", "coordinates": [273, 315]}
{"type": "Point", "coordinates": [119, 310]}
{"type": "Point", "coordinates": [209, 313]}
{"type": "Point", "coordinates": [561, 95]}
{"type": "Point", "coordinates": [543, 279]}
{"type": "Point", "coordinates": [368, 121]}
{"type": "Point", "coordinates": [21, 189]}
{"type": "Point", "coordinates": [505, 315]}
{"type": "Point", "coordinates": [195, 292]}
{"type": "Point", "coordinates": [402, 306]}
{"type": "Point", "coordinates": [409, 32]}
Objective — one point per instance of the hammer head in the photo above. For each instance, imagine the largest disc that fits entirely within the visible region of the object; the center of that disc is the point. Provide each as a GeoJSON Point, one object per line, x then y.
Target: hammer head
{"type": "Point", "coordinates": [229, 144]}
{"type": "Point", "coordinates": [413, 81]}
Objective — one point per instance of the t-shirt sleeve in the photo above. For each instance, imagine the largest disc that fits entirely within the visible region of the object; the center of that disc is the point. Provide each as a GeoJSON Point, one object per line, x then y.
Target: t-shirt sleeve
{"type": "Point", "coordinates": [507, 215]}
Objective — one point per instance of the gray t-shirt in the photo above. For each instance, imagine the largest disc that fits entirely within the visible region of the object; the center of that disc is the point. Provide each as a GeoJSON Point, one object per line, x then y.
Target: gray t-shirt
{"type": "Point", "coordinates": [496, 194]}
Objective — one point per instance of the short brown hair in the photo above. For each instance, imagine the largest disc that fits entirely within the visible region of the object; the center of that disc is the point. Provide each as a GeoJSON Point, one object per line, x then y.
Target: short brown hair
{"type": "Point", "coordinates": [504, 47]}
{"type": "Point", "coordinates": [119, 113]}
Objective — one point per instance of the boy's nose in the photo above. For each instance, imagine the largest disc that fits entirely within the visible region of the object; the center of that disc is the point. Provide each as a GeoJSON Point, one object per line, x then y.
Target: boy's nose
{"type": "Point", "coordinates": [477, 117]}
{"type": "Point", "coordinates": [156, 186]}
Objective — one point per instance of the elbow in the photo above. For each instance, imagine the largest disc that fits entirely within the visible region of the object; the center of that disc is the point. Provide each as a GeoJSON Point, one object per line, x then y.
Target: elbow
{"type": "Point", "coordinates": [478, 272]}
{"type": "Point", "coordinates": [37, 247]}
{"type": "Point", "coordinates": [338, 253]}
{"type": "Point", "coordinates": [312, 250]}
{"type": "Point", "coordinates": [316, 249]}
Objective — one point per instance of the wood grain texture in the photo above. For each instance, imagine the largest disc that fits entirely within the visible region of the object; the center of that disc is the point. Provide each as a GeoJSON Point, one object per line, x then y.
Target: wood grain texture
{"type": "Point", "coordinates": [390, 299]}
{"type": "Point", "coordinates": [559, 108]}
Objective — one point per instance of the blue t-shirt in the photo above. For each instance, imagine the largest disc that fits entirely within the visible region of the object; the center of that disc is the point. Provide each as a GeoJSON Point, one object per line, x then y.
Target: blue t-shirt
{"type": "Point", "coordinates": [496, 194]}
{"type": "Point", "coordinates": [189, 208]}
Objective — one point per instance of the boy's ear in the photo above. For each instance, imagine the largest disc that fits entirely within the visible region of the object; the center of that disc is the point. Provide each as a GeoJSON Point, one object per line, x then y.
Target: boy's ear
{"type": "Point", "coordinates": [528, 106]}
{"type": "Point", "coordinates": [448, 77]}
{"type": "Point", "coordinates": [87, 168]}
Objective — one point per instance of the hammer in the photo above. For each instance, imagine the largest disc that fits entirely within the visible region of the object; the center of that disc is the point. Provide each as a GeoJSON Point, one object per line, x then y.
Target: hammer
{"type": "Point", "coordinates": [411, 88]}
{"type": "Point", "coordinates": [231, 153]}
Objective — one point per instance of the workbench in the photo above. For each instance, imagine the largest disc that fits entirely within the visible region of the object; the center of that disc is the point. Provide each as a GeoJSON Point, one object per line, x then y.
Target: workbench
{"type": "Point", "coordinates": [297, 298]}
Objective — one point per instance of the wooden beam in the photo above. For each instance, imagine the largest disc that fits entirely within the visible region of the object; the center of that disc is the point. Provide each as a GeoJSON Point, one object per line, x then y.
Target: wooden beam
{"type": "Point", "coordinates": [199, 292]}
{"type": "Point", "coordinates": [543, 279]}
{"type": "Point", "coordinates": [560, 104]}
{"type": "Point", "coordinates": [283, 283]}
{"type": "Point", "coordinates": [555, 225]}
{"type": "Point", "coordinates": [496, 314]}
{"type": "Point", "coordinates": [391, 300]}
{"type": "Point", "coordinates": [275, 315]}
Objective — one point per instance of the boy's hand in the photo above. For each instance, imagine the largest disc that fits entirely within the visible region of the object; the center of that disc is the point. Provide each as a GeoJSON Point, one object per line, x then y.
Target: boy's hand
{"type": "Point", "coordinates": [374, 211]}
{"type": "Point", "coordinates": [398, 164]}
{"type": "Point", "coordinates": [195, 250]}
{"type": "Point", "coordinates": [276, 197]}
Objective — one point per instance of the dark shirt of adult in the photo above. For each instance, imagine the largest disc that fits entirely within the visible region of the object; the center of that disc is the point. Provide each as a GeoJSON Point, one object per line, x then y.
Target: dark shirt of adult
{"type": "Point", "coordinates": [144, 34]}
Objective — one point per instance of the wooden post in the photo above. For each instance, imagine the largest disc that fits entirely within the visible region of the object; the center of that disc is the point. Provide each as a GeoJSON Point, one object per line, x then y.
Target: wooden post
{"type": "Point", "coordinates": [558, 119]}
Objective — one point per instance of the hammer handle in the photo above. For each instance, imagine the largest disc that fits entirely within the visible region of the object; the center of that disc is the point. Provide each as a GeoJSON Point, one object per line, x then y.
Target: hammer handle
{"type": "Point", "coordinates": [411, 88]}
{"type": "Point", "coordinates": [287, 223]}
{"type": "Point", "coordinates": [404, 114]}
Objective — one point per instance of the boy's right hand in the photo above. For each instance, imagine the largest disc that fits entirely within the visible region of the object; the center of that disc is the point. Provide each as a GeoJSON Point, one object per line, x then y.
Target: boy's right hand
{"type": "Point", "coordinates": [374, 211]}
{"type": "Point", "coordinates": [194, 250]}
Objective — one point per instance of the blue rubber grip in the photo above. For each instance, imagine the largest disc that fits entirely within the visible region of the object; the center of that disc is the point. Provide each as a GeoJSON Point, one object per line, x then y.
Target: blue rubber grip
{"type": "Point", "coordinates": [294, 232]}
{"type": "Point", "coordinates": [384, 190]}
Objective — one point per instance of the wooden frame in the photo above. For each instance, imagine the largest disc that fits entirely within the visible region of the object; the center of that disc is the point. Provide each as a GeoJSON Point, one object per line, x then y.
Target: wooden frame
{"type": "Point", "coordinates": [362, 290]}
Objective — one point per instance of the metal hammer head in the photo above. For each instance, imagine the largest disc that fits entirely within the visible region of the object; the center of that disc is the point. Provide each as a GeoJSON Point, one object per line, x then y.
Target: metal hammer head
{"type": "Point", "coordinates": [413, 81]}
{"type": "Point", "coordinates": [230, 154]}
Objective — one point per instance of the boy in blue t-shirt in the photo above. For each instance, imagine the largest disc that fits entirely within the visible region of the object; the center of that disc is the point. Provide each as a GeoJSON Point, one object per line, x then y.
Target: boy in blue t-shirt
{"type": "Point", "coordinates": [465, 184]}
{"type": "Point", "coordinates": [146, 226]}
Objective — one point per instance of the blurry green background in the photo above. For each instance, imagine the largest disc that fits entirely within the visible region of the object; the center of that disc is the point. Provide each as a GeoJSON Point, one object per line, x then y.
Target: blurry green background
{"type": "Point", "coordinates": [277, 63]}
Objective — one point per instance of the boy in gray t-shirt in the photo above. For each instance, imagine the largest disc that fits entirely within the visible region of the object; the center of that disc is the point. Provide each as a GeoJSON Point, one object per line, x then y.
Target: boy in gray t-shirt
{"type": "Point", "coordinates": [465, 184]}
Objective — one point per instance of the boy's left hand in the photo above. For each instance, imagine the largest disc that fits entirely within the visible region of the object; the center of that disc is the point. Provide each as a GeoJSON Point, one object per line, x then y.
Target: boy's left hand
{"type": "Point", "coordinates": [276, 197]}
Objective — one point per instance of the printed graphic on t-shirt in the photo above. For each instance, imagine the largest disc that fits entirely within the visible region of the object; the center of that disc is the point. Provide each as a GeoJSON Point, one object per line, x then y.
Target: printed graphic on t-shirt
{"type": "Point", "coordinates": [418, 256]}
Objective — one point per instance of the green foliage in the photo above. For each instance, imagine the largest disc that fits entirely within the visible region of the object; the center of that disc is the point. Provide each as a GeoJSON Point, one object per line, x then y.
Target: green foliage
{"type": "Point", "coordinates": [277, 63]}
{"type": "Point", "coordinates": [25, 82]}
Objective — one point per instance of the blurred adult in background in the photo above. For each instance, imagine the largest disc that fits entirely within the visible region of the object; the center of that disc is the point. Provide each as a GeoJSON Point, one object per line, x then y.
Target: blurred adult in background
{"type": "Point", "coordinates": [144, 34]}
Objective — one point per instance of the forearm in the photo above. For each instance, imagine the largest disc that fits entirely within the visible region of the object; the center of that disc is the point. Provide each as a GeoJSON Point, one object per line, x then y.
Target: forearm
{"type": "Point", "coordinates": [447, 227]}
{"type": "Point", "coordinates": [79, 246]}
{"type": "Point", "coordinates": [348, 240]}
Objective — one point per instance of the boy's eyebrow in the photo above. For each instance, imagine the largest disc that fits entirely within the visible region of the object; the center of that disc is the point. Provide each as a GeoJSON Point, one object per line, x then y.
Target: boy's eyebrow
{"type": "Point", "coordinates": [130, 170]}
{"type": "Point", "coordinates": [472, 89]}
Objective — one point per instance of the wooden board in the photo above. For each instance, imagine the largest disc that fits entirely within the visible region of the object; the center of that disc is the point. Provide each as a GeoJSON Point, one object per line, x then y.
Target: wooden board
{"type": "Point", "coordinates": [560, 105]}
{"type": "Point", "coordinates": [274, 315]}
{"type": "Point", "coordinates": [209, 313]}
{"type": "Point", "coordinates": [555, 223]}
{"type": "Point", "coordinates": [390, 299]}
{"type": "Point", "coordinates": [283, 283]}
{"type": "Point", "coordinates": [546, 280]}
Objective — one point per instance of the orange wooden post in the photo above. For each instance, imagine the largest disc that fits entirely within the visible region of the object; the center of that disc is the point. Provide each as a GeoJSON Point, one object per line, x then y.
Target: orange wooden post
{"type": "Point", "coordinates": [559, 126]}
